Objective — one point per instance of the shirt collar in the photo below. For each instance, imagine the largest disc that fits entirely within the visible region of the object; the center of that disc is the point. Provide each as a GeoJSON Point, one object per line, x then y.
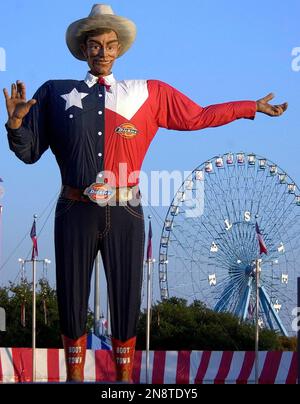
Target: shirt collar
{"type": "Point", "coordinates": [91, 80]}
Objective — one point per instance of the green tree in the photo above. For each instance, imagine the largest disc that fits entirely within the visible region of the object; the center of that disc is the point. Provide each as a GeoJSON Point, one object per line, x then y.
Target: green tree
{"type": "Point", "coordinates": [288, 344]}
{"type": "Point", "coordinates": [13, 297]}
{"type": "Point", "coordinates": [175, 325]}
{"type": "Point", "coordinates": [178, 326]}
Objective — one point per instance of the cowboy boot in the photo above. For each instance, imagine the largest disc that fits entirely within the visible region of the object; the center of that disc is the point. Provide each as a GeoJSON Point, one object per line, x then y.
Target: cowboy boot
{"type": "Point", "coordinates": [124, 359]}
{"type": "Point", "coordinates": [75, 351]}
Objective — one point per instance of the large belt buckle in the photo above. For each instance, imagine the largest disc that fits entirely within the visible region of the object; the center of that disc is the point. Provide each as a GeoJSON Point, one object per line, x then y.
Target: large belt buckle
{"type": "Point", "coordinates": [125, 194]}
{"type": "Point", "coordinates": [100, 193]}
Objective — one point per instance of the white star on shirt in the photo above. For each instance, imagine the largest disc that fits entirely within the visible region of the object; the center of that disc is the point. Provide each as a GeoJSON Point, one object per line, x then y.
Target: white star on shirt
{"type": "Point", "coordinates": [74, 99]}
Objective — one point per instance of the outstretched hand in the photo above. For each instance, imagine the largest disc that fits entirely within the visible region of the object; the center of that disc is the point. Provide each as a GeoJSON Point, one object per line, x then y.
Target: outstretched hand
{"type": "Point", "coordinates": [264, 107]}
{"type": "Point", "coordinates": [16, 104]}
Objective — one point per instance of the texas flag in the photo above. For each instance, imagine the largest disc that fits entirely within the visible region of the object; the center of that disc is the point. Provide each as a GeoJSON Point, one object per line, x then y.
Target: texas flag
{"type": "Point", "coordinates": [149, 247]}
{"type": "Point", "coordinates": [34, 241]}
{"type": "Point", "coordinates": [1, 192]}
{"type": "Point", "coordinates": [262, 246]}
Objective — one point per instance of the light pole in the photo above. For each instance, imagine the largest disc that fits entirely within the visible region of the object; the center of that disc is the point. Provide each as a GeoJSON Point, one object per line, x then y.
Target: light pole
{"type": "Point", "coordinates": [150, 262]}
{"type": "Point", "coordinates": [97, 296]}
{"type": "Point", "coordinates": [257, 285]}
{"type": "Point", "coordinates": [34, 262]}
{"type": "Point", "coordinates": [298, 355]}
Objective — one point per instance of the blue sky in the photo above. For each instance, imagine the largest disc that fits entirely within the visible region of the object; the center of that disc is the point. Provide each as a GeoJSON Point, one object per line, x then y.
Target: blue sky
{"type": "Point", "coordinates": [211, 50]}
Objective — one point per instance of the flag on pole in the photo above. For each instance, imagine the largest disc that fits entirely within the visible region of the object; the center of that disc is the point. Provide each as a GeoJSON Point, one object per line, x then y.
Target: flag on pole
{"type": "Point", "coordinates": [1, 188]}
{"type": "Point", "coordinates": [105, 343]}
{"type": "Point", "coordinates": [149, 248]}
{"type": "Point", "coordinates": [262, 246]}
{"type": "Point", "coordinates": [104, 323]}
{"type": "Point", "coordinates": [34, 241]}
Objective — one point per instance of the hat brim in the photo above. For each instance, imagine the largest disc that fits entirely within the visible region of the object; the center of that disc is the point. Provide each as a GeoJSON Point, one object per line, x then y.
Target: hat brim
{"type": "Point", "coordinates": [125, 29]}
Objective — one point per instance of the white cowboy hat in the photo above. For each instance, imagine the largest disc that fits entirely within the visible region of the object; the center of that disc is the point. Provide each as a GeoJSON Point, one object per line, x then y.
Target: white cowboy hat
{"type": "Point", "coordinates": [101, 16]}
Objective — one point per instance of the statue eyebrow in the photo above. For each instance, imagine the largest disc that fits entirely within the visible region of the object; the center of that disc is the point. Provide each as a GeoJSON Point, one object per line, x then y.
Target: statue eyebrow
{"type": "Point", "coordinates": [99, 43]}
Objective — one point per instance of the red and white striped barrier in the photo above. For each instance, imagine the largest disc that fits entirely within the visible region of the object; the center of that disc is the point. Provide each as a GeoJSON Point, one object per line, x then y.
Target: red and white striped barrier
{"type": "Point", "coordinates": [166, 367]}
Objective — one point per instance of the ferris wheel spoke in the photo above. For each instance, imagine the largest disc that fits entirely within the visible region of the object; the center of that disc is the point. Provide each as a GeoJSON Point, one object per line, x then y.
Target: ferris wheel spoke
{"type": "Point", "coordinates": [229, 213]}
{"type": "Point", "coordinates": [228, 296]}
{"type": "Point", "coordinates": [235, 283]}
{"type": "Point", "coordinates": [280, 214]}
{"type": "Point", "coordinates": [279, 223]}
{"type": "Point", "coordinates": [264, 191]}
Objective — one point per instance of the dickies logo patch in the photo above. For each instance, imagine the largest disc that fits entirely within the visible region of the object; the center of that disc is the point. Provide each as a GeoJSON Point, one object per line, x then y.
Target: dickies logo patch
{"type": "Point", "coordinates": [100, 193]}
{"type": "Point", "coordinates": [127, 131]}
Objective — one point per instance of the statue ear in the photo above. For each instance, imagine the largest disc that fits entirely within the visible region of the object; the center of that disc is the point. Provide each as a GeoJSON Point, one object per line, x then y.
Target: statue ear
{"type": "Point", "coordinates": [84, 50]}
{"type": "Point", "coordinates": [119, 49]}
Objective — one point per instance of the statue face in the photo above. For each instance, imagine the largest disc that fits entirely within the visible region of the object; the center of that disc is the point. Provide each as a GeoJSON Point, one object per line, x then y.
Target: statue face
{"type": "Point", "coordinates": [101, 51]}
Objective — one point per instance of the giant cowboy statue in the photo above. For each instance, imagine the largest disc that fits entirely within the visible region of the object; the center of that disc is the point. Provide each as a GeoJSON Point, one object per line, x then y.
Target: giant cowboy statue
{"type": "Point", "coordinates": [99, 130]}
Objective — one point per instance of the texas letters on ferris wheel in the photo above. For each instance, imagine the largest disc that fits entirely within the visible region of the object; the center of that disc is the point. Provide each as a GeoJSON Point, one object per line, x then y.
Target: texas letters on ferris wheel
{"type": "Point", "coordinates": [212, 257]}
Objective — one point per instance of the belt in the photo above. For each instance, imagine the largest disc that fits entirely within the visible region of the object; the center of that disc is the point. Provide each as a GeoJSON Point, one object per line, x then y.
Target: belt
{"type": "Point", "coordinates": [123, 194]}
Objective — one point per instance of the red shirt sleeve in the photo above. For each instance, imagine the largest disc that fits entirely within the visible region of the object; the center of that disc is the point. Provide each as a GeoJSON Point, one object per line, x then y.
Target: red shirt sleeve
{"type": "Point", "coordinates": [173, 110]}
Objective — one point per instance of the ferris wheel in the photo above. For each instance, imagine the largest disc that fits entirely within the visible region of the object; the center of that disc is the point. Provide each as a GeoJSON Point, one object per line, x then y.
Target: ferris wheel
{"type": "Point", "coordinates": [209, 243]}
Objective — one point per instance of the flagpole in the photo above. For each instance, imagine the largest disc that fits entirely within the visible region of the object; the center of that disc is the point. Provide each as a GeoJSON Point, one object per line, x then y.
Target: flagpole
{"type": "Point", "coordinates": [257, 273]}
{"type": "Point", "coordinates": [34, 314]}
{"type": "Point", "coordinates": [33, 320]}
{"type": "Point", "coordinates": [298, 332]}
{"type": "Point", "coordinates": [262, 250]}
{"type": "Point", "coordinates": [97, 296]}
{"type": "Point", "coordinates": [148, 319]}
{"type": "Point", "coordinates": [108, 331]}
{"type": "Point", "coordinates": [149, 300]}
